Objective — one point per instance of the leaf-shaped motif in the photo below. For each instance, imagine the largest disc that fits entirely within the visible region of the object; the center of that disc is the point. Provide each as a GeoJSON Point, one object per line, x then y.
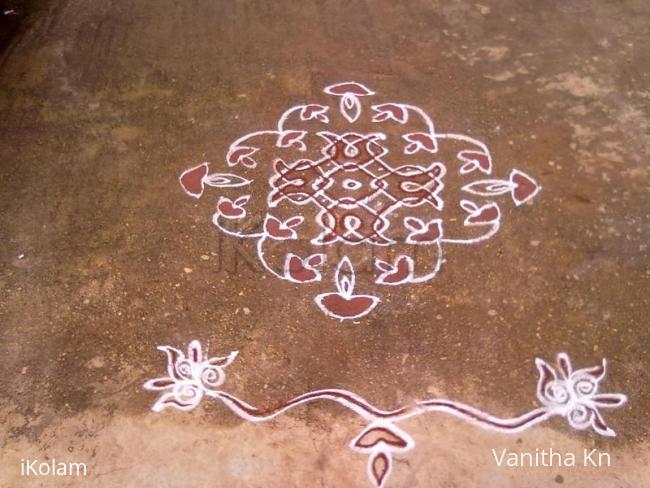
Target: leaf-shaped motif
{"type": "Point", "coordinates": [314, 111]}
{"type": "Point", "coordinates": [242, 155]}
{"type": "Point", "coordinates": [350, 108]}
{"type": "Point", "coordinates": [419, 141]}
{"type": "Point", "coordinates": [292, 138]}
{"type": "Point", "coordinates": [232, 210]}
{"type": "Point", "coordinates": [546, 375]}
{"type": "Point", "coordinates": [390, 111]}
{"type": "Point", "coordinates": [489, 188]}
{"type": "Point", "coordinates": [225, 180]}
{"type": "Point", "coordinates": [380, 464]}
{"type": "Point", "coordinates": [159, 384]}
{"type": "Point", "coordinates": [345, 277]}
{"type": "Point", "coordinates": [223, 361]}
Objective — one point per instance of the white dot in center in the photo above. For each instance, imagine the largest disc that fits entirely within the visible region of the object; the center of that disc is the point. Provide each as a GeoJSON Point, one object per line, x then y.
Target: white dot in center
{"type": "Point", "coordinates": [350, 184]}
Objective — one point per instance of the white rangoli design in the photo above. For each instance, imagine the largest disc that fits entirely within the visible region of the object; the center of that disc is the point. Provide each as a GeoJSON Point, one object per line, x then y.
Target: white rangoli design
{"type": "Point", "coordinates": [361, 176]}
{"type": "Point", "coordinates": [357, 175]}
{"type": "Point", "coordinates": [561, 391]}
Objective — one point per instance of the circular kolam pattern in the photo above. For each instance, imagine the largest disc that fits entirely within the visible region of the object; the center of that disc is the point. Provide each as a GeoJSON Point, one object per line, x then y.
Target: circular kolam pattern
{"type": "Point", "coordinates": [361, 178]}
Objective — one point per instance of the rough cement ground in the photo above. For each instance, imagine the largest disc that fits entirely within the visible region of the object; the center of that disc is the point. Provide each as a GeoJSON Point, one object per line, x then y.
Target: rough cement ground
{"type": "Point", "coordinates": [102, 104]}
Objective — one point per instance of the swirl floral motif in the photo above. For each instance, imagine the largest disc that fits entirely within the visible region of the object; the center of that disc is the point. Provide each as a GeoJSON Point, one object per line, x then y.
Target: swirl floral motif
{"type": "Point", "coordinates": [189, 377]}
{"type": "Point", "coordinates": [354, 174]}
{"type": "Point", "coordinates": [574, 394]}
{"type": "Point", "coordinates": [563, 392]}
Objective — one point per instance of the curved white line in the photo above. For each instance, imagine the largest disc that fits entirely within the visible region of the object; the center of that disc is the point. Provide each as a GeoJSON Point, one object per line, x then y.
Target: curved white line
{"type": "Point", "coordinates": [215, 222]}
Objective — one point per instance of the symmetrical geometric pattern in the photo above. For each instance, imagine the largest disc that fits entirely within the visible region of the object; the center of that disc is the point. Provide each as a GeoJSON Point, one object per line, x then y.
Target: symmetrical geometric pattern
{"type": "Point", "coordinates": [357, 175]}
{"type": "Point", "coordinates": [572, 394]}
{"type": "Point", "coordinates": [334, 183]}
{"type": "Point", "coordinates": [354, 189]}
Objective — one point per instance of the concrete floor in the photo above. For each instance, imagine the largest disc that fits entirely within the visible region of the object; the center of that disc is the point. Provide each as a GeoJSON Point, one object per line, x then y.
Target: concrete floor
{"type": "Point", "coordinates": [103, 258]}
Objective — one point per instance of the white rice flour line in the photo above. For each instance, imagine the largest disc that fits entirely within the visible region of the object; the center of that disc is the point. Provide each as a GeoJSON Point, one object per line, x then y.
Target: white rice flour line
{"type": "Point", "coordinates": [355, 194]}
{"type": "Point", "coordinates": [561, 391]}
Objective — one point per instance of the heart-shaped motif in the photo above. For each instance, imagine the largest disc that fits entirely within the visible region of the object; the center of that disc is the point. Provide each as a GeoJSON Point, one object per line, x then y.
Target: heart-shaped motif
{"type": "Point", "coordinates": [395, 274]}
{"type": "Point", "coordinates": [232, 210]}
{"type": "Point", "coordinates": [420, 140]}
{"type": "Point", "coordinates": [292, 138]}
{"type": "Point", "coordinates": [422, 233]}
{"type": "Point", "coordinates": [474, 160]}
{"type": "Point", "coordinates": [242, 155]}
{"type": "Point", "coordinates": [524, 187]}
{"type": "Point", "coordinates": [192, 180]}
{"type": "Point", "coordinates": [314, 111]}
{"type": "Point", "coordinates": [390, 111]}
{"type": "Point", "coordinates": [487, 214]}
{"type": "Point", "coordinates": [301, 270]}
{"type": "Point", "coordinates": [278, 230]}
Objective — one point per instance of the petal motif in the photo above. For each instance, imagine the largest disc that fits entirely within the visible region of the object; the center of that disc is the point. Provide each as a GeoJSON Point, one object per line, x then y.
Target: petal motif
{"type": "Point", "coordinates": [173, 355]}
{"type": "Point", "coordinates": [379, 467]}
{"type": "Point", "coordinates": [350, 108]}
{"type": "Point", "coordinates": [599, 425]}
{"type": "Point", "coordinates": [232, 210]}
{"type": "Point", "coordinates": [474, 159]}
{"type": "Point", "coordinates": [546, 376]}
{"type": "Point", "coordinates": [314, 111]}
{"type": "Point", "coordinates": [609, 400]}
{"type": "Point", "coordinates": [279, 230]}
{"type": "Point", "coordinates": [159, 384]}
{"type": "Point", "coordinates": [420, 140]}
{"type": "Point", "coordinates": [225, 180]}
{"type": "Point", "coordinates": [390, 111]}
{"type": "Point", "coordinates": [488, 188]}
{"type": "Point", "coordinates": [564, 363]}
{"type": "Point", "coordinates": [223, 361]}
{"type": "Point", "coordinates": [194, 352]}
{"type": "Point", "coordinates": [241, 155]}
{"type": "Point", "coordinates": [290, 138]}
